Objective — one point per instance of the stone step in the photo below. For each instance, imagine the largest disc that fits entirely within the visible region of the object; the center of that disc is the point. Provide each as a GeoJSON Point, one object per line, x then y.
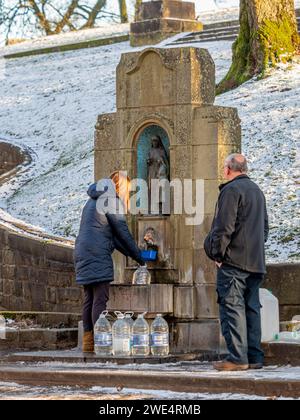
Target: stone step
{"type": "Point", "coordinates": [195, 378]}
{"type": "Point", "coordinates": [222, 24]}
{"type": "Point", "coordinates": [208, 37]}
{"type": "Point", "coordinates": [49, 330]}
{"type": "Point", "coordinates": [76, 356]}
{"type": "Point", "coordinates": [45, 319]}
{"type": "Point", "coordinates": [220, 31]}
{"type": "Point", "coordinates": [39, 339]}
{"type": "Point", "coordinates": [223, 38]}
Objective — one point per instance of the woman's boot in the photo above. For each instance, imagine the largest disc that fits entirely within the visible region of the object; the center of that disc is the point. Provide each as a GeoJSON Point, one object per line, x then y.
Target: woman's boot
{"type": "Point", "coordinates": [88, 342]}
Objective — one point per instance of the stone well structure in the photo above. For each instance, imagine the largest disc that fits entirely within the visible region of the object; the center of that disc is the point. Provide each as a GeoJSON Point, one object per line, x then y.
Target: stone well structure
{"type": "Point", "coordinates": [160, 19]}
{"type": "Point", "coordinates": [170, 93]}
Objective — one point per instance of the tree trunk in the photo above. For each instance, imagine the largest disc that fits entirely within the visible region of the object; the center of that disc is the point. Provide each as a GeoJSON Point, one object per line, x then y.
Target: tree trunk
{"type": "Point", "coordinates": [123, 11]}
{"type": "Point", "coordinates": [137, 8]}
{"type": "Point", "coordinates": [268, 35]}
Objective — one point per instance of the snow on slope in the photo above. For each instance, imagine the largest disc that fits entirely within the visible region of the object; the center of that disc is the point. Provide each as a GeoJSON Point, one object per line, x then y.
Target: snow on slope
{"type": "Point", "coordinates": [50, 103]}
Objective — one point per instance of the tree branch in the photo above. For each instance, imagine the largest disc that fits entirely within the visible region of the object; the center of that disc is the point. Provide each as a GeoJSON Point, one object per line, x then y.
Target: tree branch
{"type": "Point", "coordinates": [41, 17]}
{"type": "Point", "coordinates": [94, 13]}
{"type": "Point", "coordinates": [65, 20]}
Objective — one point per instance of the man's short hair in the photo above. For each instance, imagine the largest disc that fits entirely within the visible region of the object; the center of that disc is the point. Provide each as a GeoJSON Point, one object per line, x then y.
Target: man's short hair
{"type": "Point", "coordinates": [237, 163]}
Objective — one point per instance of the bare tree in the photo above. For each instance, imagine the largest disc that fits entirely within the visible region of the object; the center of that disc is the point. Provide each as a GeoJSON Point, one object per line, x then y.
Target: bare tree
{"type": "Point", "coordinates": [123, 11]}
{"type": "Point", "coordinates": [268, 35]}
{"type": "Point", "coordinates": [51, 17]}
{"type": "Point", "coordinates": [137, 7]}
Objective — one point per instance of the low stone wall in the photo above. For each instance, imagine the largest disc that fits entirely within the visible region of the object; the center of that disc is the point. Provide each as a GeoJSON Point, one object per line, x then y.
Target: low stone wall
{"type": "Point", "coordinates": [283, 280]}
{"type": "Point", "coordinates": [10, 157]}
{"type": "Point", "coordinates": [38, 275]}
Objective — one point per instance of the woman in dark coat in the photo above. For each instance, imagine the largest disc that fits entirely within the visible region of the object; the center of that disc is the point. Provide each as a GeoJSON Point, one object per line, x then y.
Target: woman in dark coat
{"type": "Point", "coordinates": [101, 232]}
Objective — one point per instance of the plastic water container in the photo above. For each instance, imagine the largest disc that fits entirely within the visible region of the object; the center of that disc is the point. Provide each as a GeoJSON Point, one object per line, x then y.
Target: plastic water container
{"type": "Point", "coordinates": [140, 333]}
{"type": "Point", "coordinates": [159, 336]}
{"type": "Point", "coordinates": [103, 336]}
{"type": "Point", "coordinates": [269, 315]}
{"type": "Point", "coordinates": [288, 337]}
{"type": "Point", "coordinates": [141, 276]}
{"type": "Point", "coordinates": [121, 335]}
{"type": "Point", "coordinates": [129, 320]}
{"type": "Point", "coordinates": [2, 328]}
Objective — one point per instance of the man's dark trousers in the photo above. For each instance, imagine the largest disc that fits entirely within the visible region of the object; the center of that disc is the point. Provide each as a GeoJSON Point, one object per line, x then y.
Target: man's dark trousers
{"type": "Point", "coordinates": [238, 297]}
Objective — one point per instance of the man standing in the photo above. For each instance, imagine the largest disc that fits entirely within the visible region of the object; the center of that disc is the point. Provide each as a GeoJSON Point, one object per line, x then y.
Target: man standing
{"type": "Point", "coordinates": [236, 244]}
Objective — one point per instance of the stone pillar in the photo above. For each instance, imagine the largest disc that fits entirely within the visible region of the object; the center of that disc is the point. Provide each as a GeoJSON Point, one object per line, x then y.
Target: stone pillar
{"type": "Point", "coordinates": [160, 19]}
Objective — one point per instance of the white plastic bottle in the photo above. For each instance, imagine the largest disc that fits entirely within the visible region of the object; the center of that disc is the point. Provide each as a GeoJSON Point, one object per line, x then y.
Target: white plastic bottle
{"type": "Point", "coordinates": [129, 320]}
{"type": "Point", "coordinates": [288, 337]}
{"type": "Point", "coordinates": [269, 315]}
{"type": "Point", "coordinates": [141, 339]}
{"type": "Point", "coordinates": [159, 336]}
{"type": "Point", "coordinates": [103, 336]}
{"type": "Point", "coordinates": [121, 336]}
{"type": "Point", "coordinates": [141, 276]}
{"type": "Point", "coordinates": [2, 328]}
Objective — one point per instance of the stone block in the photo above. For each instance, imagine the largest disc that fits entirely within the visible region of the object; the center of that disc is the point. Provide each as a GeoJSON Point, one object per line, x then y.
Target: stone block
{"type": "Point", "coordinates": [184, 234]}
{"type": "Point", "coordinates": [184, 303]}
{"type": "Point", "coordinates": [201, 231]}
{"type": "Point", "coordinates": [8, 272]}
{"type": "Point", "coordinates": [168, 74]}
{"type": "Point", "coordinates": [184, 265]}
{"type": "Point", "coordinates": [154, 298]}
{"type": "Point", "coordinates": [59, 253]}
{"type": "Point", "coordinates": [182, 167]}
{"type": "Point", "coordinates": [284, 282]}
{"type": "Point", "coordinates": [195, 336]}
{"type": "Point", "coordinates": [204, 269]}
{"type": "Point", "coordinates": [105, 134]}
{"type": "Point", "coordinates": [158, 275]}
{"type": "Point", "coordinates": [167, 8]}
{"type": "Point", "coordinates": [51, 295]}
{"type": "Point", "coordinates": [25, 244]}
{"type": "Point", "coordinates": [8, 257]}
{"type": "Point", "coordinates": [205, 302]}
{"type": "Point", "coordinates": [205, 131]}
{"type": "Point", "coordinates": [69, 294]}
{"type": "Point", "coordinates": [108, 161]}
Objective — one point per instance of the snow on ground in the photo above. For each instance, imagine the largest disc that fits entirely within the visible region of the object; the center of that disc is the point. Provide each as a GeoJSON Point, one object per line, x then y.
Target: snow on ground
{"type": "Point", "coordinates": [104, 30]}
{"type": "Point", "coordinates": [50, 103]}
{"type": "Point", "coordinates": [270, 114]}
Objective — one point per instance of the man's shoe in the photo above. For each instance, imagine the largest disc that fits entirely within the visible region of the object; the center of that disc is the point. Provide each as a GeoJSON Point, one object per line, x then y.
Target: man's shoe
{"type": "Point", "coordinates": [226, 365]}
{"type": "Point", "coordinates": [88, 342]}
{"type": "Point", "coordinates": [256, 365]}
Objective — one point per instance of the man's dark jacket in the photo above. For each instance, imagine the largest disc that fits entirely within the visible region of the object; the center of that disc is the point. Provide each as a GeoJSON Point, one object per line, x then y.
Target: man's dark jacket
{"type": "Point", "coordinates": [99, 235]}
{"type": "Point", "coordinates": [240, 226]}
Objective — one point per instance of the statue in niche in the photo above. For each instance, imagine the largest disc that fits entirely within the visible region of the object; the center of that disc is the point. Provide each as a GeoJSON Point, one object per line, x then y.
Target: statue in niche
{"type": "Point", "coordinates": [158, 166]}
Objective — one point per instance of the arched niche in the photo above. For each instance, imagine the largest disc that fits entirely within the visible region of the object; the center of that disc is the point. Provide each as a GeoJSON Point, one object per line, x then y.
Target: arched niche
{"type": "Point", "coordinates": [144, 144]}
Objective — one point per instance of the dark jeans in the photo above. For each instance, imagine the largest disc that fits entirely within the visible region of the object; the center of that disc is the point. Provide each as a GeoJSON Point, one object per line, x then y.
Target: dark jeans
{"type": "Point", "coordinates": [96, 296]}
{"type": "Point", "coordinates": [238, 297]}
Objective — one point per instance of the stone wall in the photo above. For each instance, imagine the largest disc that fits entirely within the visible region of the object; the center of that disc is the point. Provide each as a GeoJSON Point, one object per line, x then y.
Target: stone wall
{"type": "Point", "coordinates": [283, 280]}
{"type": "Point", "coordinates": [10, 157]}
{"type": "Point", "coordinates": [36, 274]}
